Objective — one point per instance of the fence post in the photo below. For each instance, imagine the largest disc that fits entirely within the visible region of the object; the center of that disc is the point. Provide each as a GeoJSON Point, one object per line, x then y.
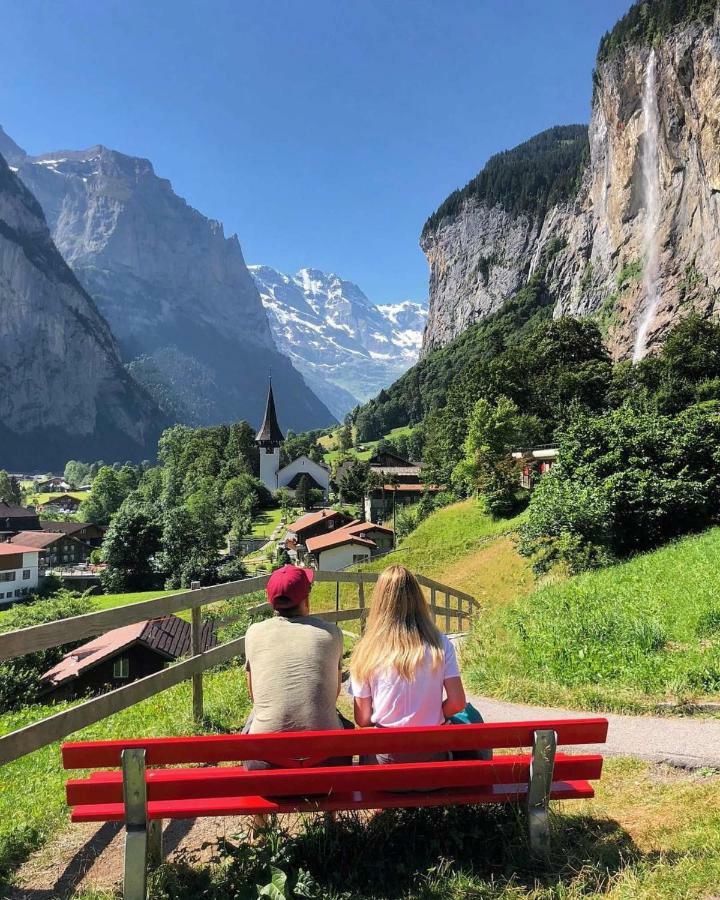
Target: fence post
{"type": "Point", "coordinates": [196, 647]}
{"type": "Point", "coordinates": [433, 605]}
{"type": "Point", "coordinates": [448, 624]}
{"type": "Point", "coordinates": [361, 604]}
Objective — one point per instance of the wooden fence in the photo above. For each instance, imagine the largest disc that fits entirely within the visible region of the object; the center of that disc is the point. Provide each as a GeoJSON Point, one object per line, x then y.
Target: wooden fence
{"type": "Point", "coordinates": [449, 617]}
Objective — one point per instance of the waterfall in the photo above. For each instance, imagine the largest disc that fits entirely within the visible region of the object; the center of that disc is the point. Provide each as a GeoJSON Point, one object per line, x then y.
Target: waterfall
{"type": "Point", "coordinates": [649, 163]}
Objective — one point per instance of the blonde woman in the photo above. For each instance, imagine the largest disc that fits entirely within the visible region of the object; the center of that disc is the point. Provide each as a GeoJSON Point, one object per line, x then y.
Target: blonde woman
{"type": "Point", "coordinates": [403, 670]}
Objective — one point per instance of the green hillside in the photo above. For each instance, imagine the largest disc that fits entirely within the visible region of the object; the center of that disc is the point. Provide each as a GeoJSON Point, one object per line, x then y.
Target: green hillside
{"type": "Point", "coordinates": [628, 637]}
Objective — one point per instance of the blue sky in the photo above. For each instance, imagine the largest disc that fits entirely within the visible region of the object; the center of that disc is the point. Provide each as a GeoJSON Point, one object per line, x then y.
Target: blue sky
{"type": "Point", "coordinates": [323, 132]}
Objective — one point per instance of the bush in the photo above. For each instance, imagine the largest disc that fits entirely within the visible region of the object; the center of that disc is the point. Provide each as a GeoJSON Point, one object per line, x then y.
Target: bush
{"type": "Point", "coordinates": [626, 481]}
{"type": "Point", "coordinates": [20, 677]}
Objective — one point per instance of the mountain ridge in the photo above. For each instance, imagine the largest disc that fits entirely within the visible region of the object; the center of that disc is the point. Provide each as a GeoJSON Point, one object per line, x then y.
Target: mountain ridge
{"type": "Point", "coordinates": [347, 347]}
{"type": "Point", "coordinates": [174, 289]}
{"type": "Point", "coordinates": [51, 410]}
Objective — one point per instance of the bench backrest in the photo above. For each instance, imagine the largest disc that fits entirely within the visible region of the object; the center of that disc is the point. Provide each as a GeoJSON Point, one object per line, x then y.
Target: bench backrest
{"type": "Point", "coordinates": [308, 749]}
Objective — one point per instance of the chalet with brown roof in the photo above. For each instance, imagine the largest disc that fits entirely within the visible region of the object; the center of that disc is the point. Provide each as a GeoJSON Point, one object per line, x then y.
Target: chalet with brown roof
{"type": "Point", "coordinates": [400, 483]}
{"type": "Point", "coordinates": [55, 548]}
{"type": "Point", "coordinates": [87, 532]}
{"type": "Point", "coordinates": [319, 522]}
{"type": "Point", "coordinates": [352, 544]}
{"type": "Point", "coordinates": [123, 655]}
{"type": "Point", "coordinates": [14, 519]}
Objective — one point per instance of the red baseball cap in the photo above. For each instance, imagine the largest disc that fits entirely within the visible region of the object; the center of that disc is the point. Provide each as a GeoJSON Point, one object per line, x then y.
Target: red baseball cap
{"type": "Point", "coordinates": [289, 586]}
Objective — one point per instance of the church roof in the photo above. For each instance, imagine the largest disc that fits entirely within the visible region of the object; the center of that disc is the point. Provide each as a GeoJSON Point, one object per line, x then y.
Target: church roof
{"type": "Point", "coordinates": [270, 430]}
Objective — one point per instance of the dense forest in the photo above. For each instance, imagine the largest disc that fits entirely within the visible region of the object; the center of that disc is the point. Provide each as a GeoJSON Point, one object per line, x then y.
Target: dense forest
{"type": "Point", "coordinates": [527, 179]}
{"type": "Point", "coordinates": [648, 20]}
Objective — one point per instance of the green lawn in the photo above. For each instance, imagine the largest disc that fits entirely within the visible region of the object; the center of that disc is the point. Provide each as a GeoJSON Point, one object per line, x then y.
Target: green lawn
{"type": "Point", "coordinates": [108, 601]}
{"type": "Point", "coordinates": [265, 522]}
{"type": "Point", "coordinates": [628, 637]}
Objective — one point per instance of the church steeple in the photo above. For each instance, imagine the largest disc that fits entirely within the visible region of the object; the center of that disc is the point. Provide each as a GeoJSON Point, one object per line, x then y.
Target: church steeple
{"type": "Point", "coordinates": [269, 434]}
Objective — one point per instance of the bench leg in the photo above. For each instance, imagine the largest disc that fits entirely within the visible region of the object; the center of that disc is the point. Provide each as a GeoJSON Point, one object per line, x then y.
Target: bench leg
{"type": "Point", "coordinates": [136, 825]}
{"type": "Point", "coordinates": [539, 787]}
{"type": "Point", "coordinates": [155, 843]}
{"type": "Point", "coordinates": [135, 874]}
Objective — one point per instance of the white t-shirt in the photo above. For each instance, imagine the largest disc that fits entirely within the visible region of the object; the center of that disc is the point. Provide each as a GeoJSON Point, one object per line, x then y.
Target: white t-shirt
{"type": "Point", "coordinates": [399, 702]}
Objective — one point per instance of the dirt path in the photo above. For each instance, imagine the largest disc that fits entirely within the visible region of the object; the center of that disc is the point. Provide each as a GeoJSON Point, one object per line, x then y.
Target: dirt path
{"type": "Point", "coordinates": [686, 742]}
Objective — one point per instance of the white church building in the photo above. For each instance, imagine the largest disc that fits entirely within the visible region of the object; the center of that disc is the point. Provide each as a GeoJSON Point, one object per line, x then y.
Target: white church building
{"type": "Point", "coordinates": [270, 439]}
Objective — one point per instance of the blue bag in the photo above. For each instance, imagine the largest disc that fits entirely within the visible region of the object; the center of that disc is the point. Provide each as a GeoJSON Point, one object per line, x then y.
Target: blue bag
{"type": "Point", "coordinates": [469, 716]}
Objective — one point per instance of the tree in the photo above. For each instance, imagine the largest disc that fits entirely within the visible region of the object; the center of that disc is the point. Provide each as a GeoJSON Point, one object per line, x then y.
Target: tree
{"type": "Point", "coordinates": [10, 488]}
{"type": "Point", "coordinates": [76, 473]}
{"type": "Point", "coordinates": [304, 492]}
{"type": "Point", "coordinates": [354, 481]}
{"type": "Point", "coordinates": [107, 495]}
{"type": "Point", "coordinates": [346, 436]}
{"type": "Point", "coordinates": [130, 546]}
{"type": "Point", "coordinates": [487, 465]}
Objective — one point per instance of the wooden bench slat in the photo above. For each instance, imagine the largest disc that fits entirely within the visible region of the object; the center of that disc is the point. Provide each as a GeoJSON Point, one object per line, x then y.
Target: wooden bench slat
{"type": "Point", "coordinates": [253, 805]}
{"type": "Point", "coordinates": [185, 784]}
{"type": "Point", "coordinates": [306, 748]}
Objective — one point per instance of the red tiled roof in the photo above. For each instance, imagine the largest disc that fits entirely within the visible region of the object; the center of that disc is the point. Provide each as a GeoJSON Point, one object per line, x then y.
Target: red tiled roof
{"type": "Point", "coordinates": [312, 519]}
{"type": "Point", "coordinates": [360, 527]}
{"type": "Point", "coordinates": [169, 636]}
{"type": "Point", "coordinates": [14, 549]}
{"type": "Point", "coordinates": [336, 539]}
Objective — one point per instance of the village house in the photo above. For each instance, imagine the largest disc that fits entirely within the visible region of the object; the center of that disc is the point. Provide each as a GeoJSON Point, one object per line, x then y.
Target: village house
{"type": "Point", "coordinates": [123, 655]}
{"type": "Point", "coordinates": [316, 523]}
{"type": "Point", "coordinates": [349, 545]}
{"type": "Point", "coordinates": [63, 503]}
{"type": "Point", "coordinates": [87, 532]}
{"type": "Point", "coordinates": [18, 572]}
{"type": "Point", "coordinates": [398, 483]}
{"type": "Point", "coordinates": [14, 519]}
{"type": "Point", "coordinates": [535, 462]}
{"type": "Point", "coordinates": [57, 550]}
{"type": "Point", "coordinates": [332, 552]}
{"type": "Point", "coordinates": [50, 485]}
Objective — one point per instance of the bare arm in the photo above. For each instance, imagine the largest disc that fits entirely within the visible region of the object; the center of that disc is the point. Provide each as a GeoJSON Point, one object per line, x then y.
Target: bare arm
{"type": "Point", "coordinates": [363, 711]}
{"type": "Point", "coordinates": [455, 696]}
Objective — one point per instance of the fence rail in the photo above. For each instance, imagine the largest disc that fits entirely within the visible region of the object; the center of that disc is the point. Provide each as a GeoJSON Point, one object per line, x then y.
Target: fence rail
{"type": "Point", "coordinates": [51, 634]}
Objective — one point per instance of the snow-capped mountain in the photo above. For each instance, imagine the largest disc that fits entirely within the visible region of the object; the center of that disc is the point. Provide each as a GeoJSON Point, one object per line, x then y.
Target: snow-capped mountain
{"type": "Point", "coordinates": [346, 347]}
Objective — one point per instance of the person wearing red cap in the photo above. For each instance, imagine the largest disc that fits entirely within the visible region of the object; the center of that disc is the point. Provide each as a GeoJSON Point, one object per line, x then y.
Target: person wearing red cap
{"type": "Point", "coordinates": [293, 662]}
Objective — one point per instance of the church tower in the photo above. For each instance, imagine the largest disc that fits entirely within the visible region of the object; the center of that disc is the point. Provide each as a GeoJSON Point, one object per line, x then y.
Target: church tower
{"type": "Point", "coordinates": [269, 440]}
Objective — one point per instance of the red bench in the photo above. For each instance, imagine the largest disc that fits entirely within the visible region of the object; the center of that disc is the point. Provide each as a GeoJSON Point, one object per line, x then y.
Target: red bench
{"type": "Point", "coordinates": [140, 792]}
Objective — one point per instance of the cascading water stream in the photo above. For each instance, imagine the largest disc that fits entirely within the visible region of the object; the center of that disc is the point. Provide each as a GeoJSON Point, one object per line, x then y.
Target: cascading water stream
{"type": "Point", "coordinates": [650, 167]}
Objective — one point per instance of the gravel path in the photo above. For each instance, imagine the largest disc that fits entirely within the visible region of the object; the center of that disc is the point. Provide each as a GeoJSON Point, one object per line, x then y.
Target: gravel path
{"type": "Point", "coordinates": [686, 742]}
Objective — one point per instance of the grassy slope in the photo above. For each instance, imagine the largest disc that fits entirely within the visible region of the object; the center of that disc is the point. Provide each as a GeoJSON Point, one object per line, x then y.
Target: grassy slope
{"type": "Point", "coordinates": [460, 546]}
{"type": "Point", "coordinates": [331, 444]}
{"type": "Point", "coordinates": [626, 637]}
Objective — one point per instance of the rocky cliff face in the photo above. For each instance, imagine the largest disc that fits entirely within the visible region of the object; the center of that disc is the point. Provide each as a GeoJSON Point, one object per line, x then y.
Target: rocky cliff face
{"type": "Point", "coordinates": [64, 390]}
{"type": "Point", "coordinates": [176, 292]}
{"type": "Point", "coordinates": [638, 244]}
{"type": "Point", "coordinates": [346, 347]}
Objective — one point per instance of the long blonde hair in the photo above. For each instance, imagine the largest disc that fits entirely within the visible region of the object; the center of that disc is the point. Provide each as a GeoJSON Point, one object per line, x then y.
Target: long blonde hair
{"type": "Point", "coordinates": [399, 630]}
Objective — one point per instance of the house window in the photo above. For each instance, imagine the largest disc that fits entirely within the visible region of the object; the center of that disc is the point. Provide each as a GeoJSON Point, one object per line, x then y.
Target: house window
{"type": "Point", "coordinates": [7, 576]}
{"type": "Point", "coordinates": [359, 557]}
{"type": "Point", "coordinates": [18, 592]}
{"type": "Point", "coordinates": [121, 667]}
{"type": "Point", "coordinates": [26, 574]}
